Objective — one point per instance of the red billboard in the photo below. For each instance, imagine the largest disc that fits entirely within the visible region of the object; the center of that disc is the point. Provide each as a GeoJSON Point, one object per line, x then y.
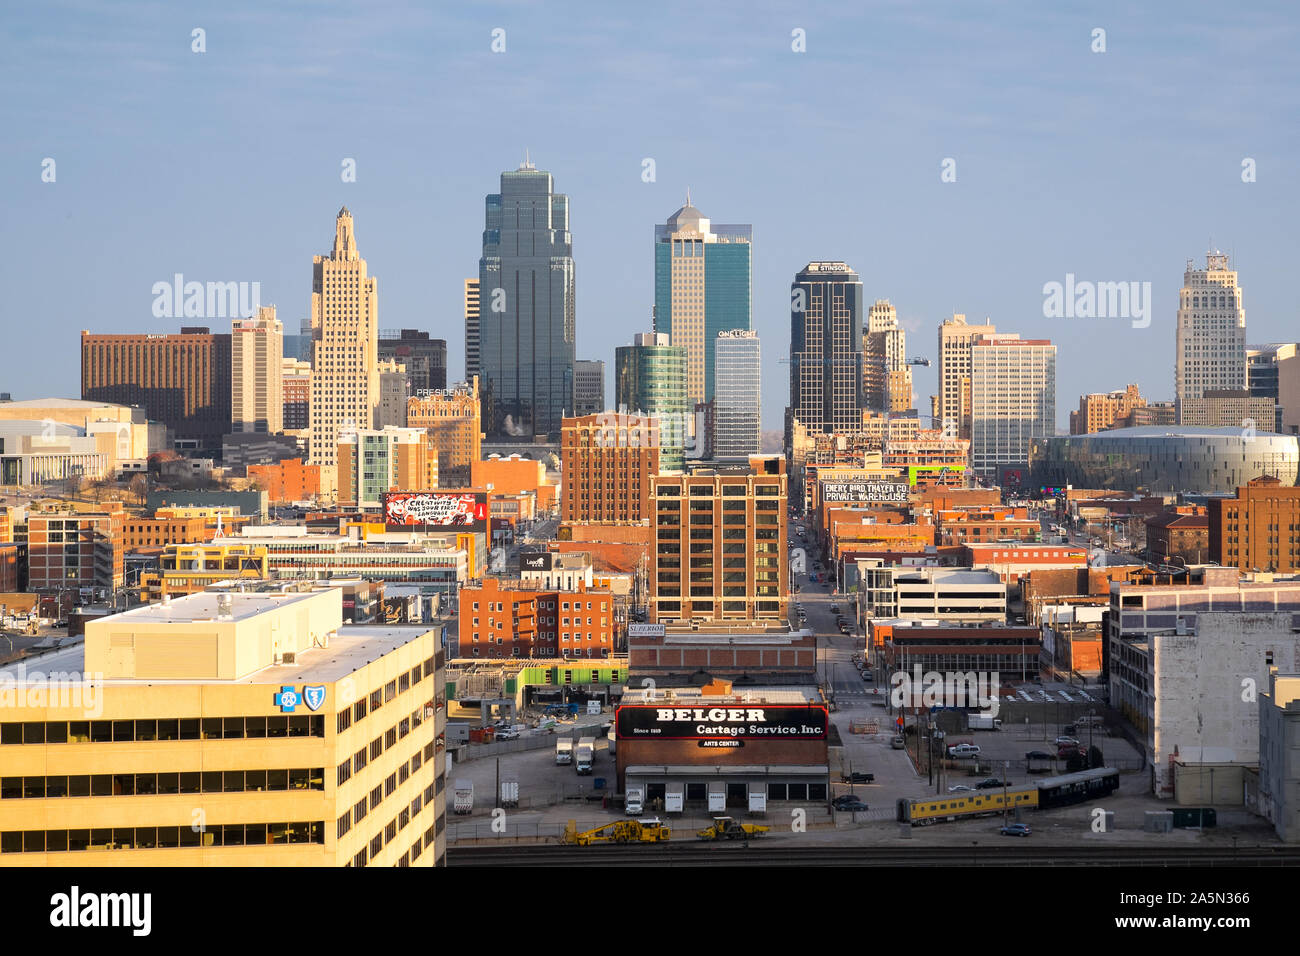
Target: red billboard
{"type": "Point", "coordinates": [434, 509]}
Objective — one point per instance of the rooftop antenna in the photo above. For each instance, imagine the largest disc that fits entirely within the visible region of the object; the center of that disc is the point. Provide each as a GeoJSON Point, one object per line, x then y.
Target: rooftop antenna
{"type": "Point", "coordinates": [527, 162]}
{"type": "Point", "coordinates": [688, 195]}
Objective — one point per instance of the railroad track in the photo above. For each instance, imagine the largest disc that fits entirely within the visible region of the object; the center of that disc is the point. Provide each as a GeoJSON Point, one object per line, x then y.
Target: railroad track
{"type": "Point", "coordinates": [684, 853]}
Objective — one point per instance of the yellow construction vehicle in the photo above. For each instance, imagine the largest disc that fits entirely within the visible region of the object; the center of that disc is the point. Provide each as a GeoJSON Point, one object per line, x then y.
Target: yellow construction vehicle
{"type": "Point", "coordinates": [726, 828]}
{"type": "Point", "coordinates": [620, 831]}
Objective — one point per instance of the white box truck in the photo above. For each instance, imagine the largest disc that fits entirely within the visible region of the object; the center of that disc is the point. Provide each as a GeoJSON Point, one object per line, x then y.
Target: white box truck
{"type": "Point", "coordinates": [717, 796]}
{"type": "Point", "coordinates": [510, 791]}
{"type": "Point", "coordinates": [634, 800]}
{"type": "Point", "coordinates": [983, 722]}
{"type": "Point", "coordinates": [609, 735]}
{"type": "Point", "coordinates": [585, 754]}
{"type": "Point", "coordinates": [563, 751]}
{"type": "Point", "coordinates": [464, 796]}
{"type": "Point", "coordinates": [675, 798]}
{"type": "Point", "coordinates": [757, 798]}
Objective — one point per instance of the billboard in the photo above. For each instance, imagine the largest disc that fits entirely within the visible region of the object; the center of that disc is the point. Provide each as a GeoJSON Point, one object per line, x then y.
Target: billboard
{"type": "Point", "coordinates": [539, 561]}
{"type": "Point", "coordinates": [434, 509]}
{"type": "Point", "coordinates": [891, 492]}
{"type": "Point", "coordinates": [645, 630]}
{"type": "Point", "coordinates": [720, 722]}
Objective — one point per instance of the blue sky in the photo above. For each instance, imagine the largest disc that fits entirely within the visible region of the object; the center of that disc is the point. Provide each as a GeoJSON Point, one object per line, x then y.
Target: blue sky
{"type": "Point", "coordinates": [225, 165]}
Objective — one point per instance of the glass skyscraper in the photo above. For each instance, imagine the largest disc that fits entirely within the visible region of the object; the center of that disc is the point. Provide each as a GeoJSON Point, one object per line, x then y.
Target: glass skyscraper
{"type": "Point", "coordinates": [526, 307]}
{"type": "Point", "coordinates": [826, 348]}
{"type": "Point", "coordinates": [702, 287]}
{"type": "Point", "coordinates": [650, 377]}
{"type": "Point", "coordinates": [736, 406]}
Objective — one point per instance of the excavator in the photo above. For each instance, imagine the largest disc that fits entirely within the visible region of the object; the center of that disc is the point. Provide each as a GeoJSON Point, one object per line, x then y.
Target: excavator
{"type": "Point", "coordinates": [650, 830]}
{"type": "Point", "coordinates": [726, 828]}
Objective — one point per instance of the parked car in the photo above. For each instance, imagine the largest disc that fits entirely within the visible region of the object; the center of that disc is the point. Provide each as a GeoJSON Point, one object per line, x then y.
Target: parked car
{"type": "Point", "coordinates": [1039, 755]}
{"type": "Point", "coordinates": [1070, 729]}
{"type": "Point", "coordinates": [898, 743]}
{"type": "Point", "coordinates": [1066, 741]}
{"type": "Point", "coordinates": [835, 609]}
{"type": "Point", "coordinates": [867, 675]}
{"type": "Point", "coordinates": [961, 788]}
{"type": "Point", "coordinates": [963, 750]}
{"type": "Point", "coordinates": [857, 776]}
{"type": "Point", "coordinates": [992, 783]}
{"type": "Point", "coordinates": [1016, 829]}
{"type": "Point", "coordinates": [506, 733]}
{"type": "Point", "coordinates": [849, 804]}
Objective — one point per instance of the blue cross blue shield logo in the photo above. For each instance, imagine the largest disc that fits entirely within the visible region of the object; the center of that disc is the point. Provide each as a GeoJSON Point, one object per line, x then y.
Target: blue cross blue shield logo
{"type": "Point", "coordinates": [287, 699]}
{"type": "Point", "coordinates": [313, 696]}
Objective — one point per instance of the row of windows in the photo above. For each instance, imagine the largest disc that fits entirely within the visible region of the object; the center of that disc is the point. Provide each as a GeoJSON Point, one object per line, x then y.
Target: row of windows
{"type": "Point", "coordinates": [148, 838]}
{"type": "Point", "coordinates": [150, 784]}
{"type": "Point", "coordinates": [185, 728]}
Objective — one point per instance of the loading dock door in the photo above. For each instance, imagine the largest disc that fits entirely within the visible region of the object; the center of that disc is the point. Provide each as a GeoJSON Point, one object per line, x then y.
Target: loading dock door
{"type": "Point", "coordinates": [717, 796]}
{"type": "Point", "coordinates": [736, 795]}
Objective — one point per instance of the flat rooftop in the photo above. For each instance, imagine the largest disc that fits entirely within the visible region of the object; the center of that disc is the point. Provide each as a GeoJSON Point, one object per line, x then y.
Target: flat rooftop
{"type": "Point", "coordinates": [204, 606]}
{"type": "Point", "coordinates": [353, 648]}
{"type": "Point", "coordinates": [688, 696]}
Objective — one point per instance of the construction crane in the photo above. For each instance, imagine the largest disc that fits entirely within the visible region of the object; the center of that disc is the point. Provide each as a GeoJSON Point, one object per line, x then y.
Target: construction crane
{"type": "Point", "coordinates": [620, 831]}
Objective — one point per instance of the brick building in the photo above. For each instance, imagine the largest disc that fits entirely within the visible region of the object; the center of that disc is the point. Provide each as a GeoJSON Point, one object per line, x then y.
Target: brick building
{"type": "Point", "coordinates": [1259, 529]}
{"type": "Point", "coordinates": [515, 475]}
{"type": "Point", "coordinates": [160, 532]}
{"type": "Point", "coordinates": [451, 419]}
{"type": "Point", "coordinates": [290, 480]}
{"type": "Point", "coordinates": [183, 381]}
{"type": "Point", "coordinates": [71, 550]}
{"type": "Point", "coordinates": [1183, 533]}
{"type": "Point", "coordinates": [606, 461]}
{"type": "Point", "coordinates": [508, 619]}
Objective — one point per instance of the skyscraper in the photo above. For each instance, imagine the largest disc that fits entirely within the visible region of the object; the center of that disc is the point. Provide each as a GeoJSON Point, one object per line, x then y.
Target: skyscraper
{"type": "Point", "coordinates": [345, 344]}
{"type": "Point", "coordinates": [826, 348]}
{"type": "Point", "coordinates": [650, 377]}
{"type": "Point", "coordinates": [256, 378]}
{"type": "Point", "coordinates": [472, 365]}
{"type": "Point", "coordinates": [526, 306]}
{"type": "Point", "coordinates": [953, 403]}
{"type": "Point", "coordinates": [1013, 399]}
{"type": "Point", "coordinates": [425, 358]}
{"type": "Point", "coordinates": [736, 409]}
{"type": "Point", "coordinates": [1211, 335]}
{"type": "Point", "coordinates": [702, 287]}
{"type": "Point", "coordinates": [886, 376]}
{"type": "Point", "coordinates": [588, 387]}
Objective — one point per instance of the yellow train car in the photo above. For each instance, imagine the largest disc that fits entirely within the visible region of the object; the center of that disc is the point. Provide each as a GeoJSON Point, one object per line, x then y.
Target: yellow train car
{"type": "Point", "coordinates": [958, 806]}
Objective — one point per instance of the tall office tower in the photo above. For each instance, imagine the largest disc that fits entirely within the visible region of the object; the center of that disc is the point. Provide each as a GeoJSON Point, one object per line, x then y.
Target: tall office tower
{"type": "Point", "coordinates": [606, 461]}
{"type": "Point", "coordinates": [526, 288]}
{"type": "Point", "coordinates": [425, 358]}
{"type": "Point", "coordinates": [1013, 399]}
{"type": "Point", "coordinates": [650, 377]}
{"type": "Point", "coordinates": [394, 389]}
{"type": "Point", "coordinates": [451, 420]}
{"type": "Point", "coordinates": [473, 367]}
{"type": "Point", "coordinates": [1273, 371]}
{"type": "Point", "coordinates": [256, 382]}
{"type": "Point", "coordinates": [719, 553]}
{"type": "Point", "coordinates": [1101, 411]}
{"type": "Point", "coordinates": [1211, 338]}
{"type": "Point", "coordinates": [588, 387]}
{"type": "Point", "coordinates": [954, 398]}
{"type": "Point", "coordinates": [886, 376]}
{"type": "Point", "coordinates": [345, 344]}
{"type": "Point", "coordinates": [826, 348]}
{"type": "Point", "coordinates": [736, 406]}
{"type": "Point", "coordinates": [296, 377]}
{"type": "Point", "coordinates": [702, 287]}
{"type": "Point", "coordinates": [372, 461]}
{"type": "Point", "coordinates": [180, 380]}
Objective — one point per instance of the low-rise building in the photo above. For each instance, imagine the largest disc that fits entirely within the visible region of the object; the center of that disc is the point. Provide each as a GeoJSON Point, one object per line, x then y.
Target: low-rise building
{"type": "Point", "coordinates": [227, 730]}
{"type": "Point", "coordinates": [1258, 529]}
{"type": "Point", "coordinates": [512, 619]}
{"type": "Point", "coordinates": [1279, 755]}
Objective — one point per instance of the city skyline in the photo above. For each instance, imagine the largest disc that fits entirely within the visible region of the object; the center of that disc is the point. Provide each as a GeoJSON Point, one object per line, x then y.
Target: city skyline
{"type": "Point", "coordinates": [1032, 201]}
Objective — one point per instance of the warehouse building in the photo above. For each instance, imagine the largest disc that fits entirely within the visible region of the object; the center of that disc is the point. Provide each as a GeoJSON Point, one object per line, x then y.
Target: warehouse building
{"type": "Point", "coordinates": [722, 748]}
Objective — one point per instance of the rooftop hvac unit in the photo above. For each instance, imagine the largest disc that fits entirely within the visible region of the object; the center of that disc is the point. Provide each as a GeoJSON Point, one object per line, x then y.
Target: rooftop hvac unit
{"type": "Point", "coordinates": [288, 657]}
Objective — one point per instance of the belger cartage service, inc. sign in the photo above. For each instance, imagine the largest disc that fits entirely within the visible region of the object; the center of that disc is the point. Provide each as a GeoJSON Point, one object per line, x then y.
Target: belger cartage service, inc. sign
{"type": "Point", "coordinates": [720, 722]}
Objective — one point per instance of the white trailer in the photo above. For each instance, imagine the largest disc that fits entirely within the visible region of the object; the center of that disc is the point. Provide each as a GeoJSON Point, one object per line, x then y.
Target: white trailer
{"type": "Point", "coordinates": [563, 751]}
{"type": "Point", "coordinates": [464, 796]}
{"type": "Point", "coordinates": [675, 798]}
{"type": "Point", "coordinates": [758, 798]}
{"type": "Point", "coordinates": [717, 796]}
{"type": "Point", "coordinates": [510, 791]}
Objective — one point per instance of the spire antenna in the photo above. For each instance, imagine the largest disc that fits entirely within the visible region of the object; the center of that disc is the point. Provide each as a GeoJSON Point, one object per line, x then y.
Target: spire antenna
{"type": "Point", "coordinates": [688, 195]}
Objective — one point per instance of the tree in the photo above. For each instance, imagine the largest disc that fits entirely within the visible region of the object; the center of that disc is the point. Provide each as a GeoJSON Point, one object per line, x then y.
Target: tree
{"type": "Point", "coordinates": [1095, 757]}
{"type": "Point", "coordinates": [138, 486]}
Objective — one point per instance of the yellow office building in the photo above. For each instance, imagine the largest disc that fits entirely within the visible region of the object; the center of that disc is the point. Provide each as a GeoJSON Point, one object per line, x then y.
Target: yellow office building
{"type": "Point", "coordinates": [226, 729]}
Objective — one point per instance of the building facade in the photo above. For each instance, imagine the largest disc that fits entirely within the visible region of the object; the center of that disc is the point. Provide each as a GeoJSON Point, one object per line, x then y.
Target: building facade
{"type": "Point", "coordinates": [606, 463]}
{"type": "Point", "coordinates": [737, 410]}
{"type": "Point", "coordinates": [473, 364]}
{"type": "Point", "coordinates": [256, 373]}
{"type": "Point", "coordinates": [527, 313]}
{"type": "Point", "coordinates": [295, 377]}
{"type": "Point", "coordinates": [425, 358]}
{"type": "Point", "coordinates": [500, 620]}
{"type": "Point", "coordinates": [719, 552]}
{"type": "Point", "coordinates": [345, 344]}
{"type": "Point", "coordinates": [1210, 339]}
{"type": "Point", "coordinates": [451, 420]}
{"type": "Point", "coordinates": [1013, 399]}
{"type": "Point", "coordinates": [1259, 530]}
{"type": "Point", "coordinates": [953, 403]}
{"type": "Point", "coordinates": [373, 461]}
{"type": "Point", "coordinates": [650, 378]}
{"type": "Point", "coordinates": [703, 280]}
{"type": "Point", "coordinates": [69, 550]}
{"type": "Point", "coordinates": [826, 338]}
{"type": "Point", "coordinates": [180, 380]}
{"type": "Point", "coordinates": [1100, 411]}
{"type": "Point", "coordinates": [588, 387]}
{"type": "Point", "coordinates": [886, 376]}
